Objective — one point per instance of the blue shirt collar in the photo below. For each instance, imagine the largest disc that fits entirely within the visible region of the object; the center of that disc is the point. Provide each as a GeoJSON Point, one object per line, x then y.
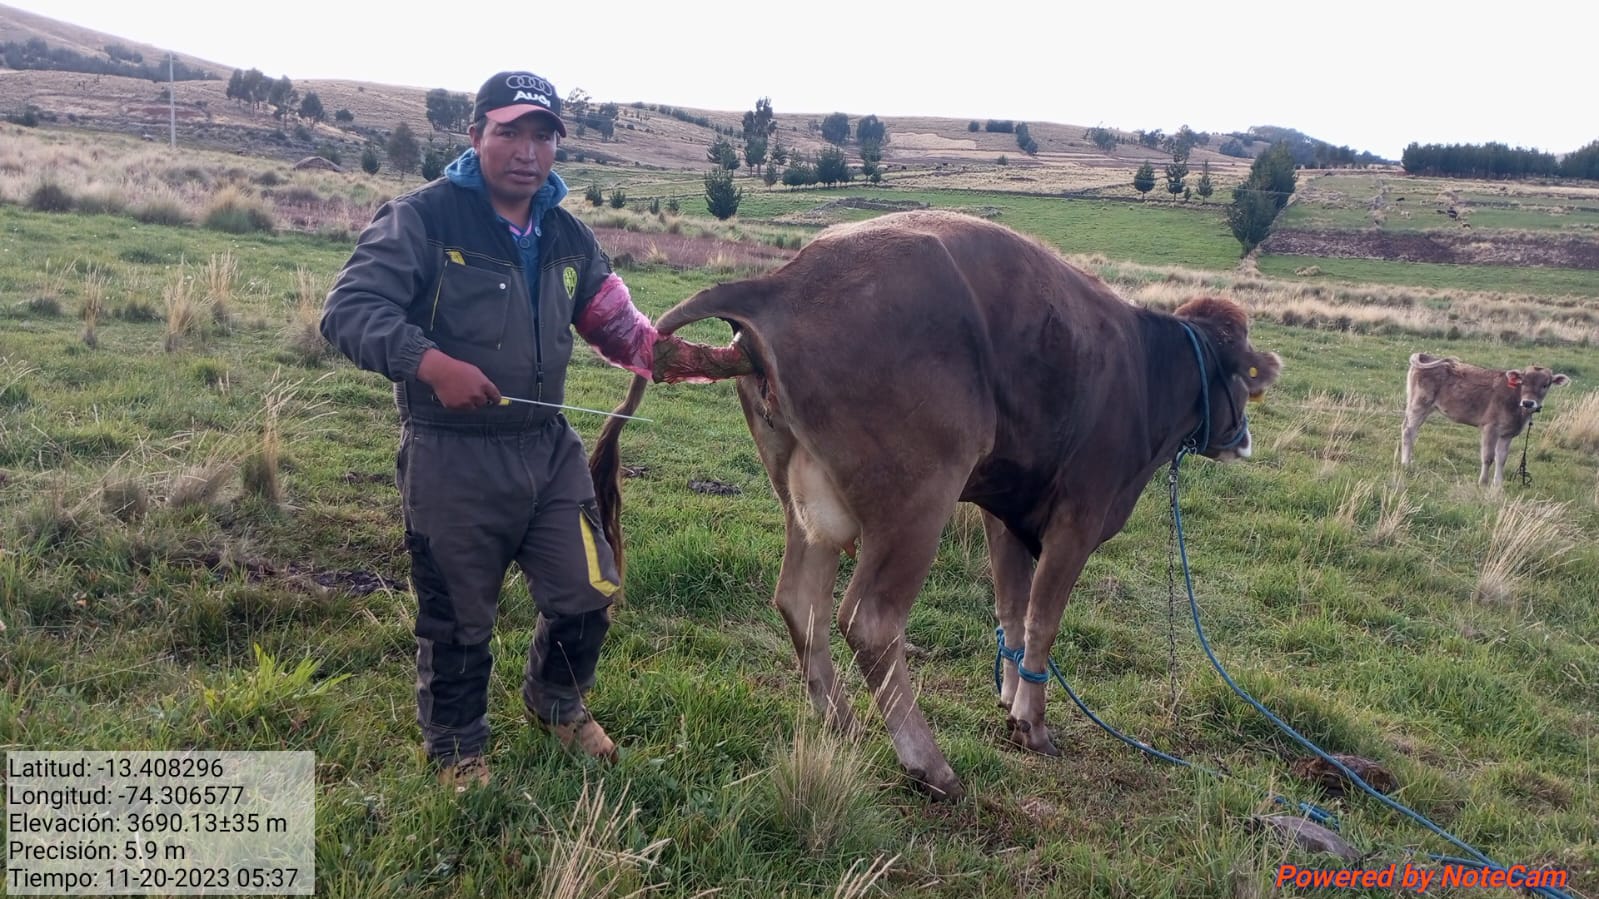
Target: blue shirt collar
{"type": "Point", "coordinates": [466, 171]}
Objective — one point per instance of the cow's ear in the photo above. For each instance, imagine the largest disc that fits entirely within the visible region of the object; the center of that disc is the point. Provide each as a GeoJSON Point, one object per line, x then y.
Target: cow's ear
{"type": "Point", "coordinates": [1513, 378]}
{"type": "Point", "coordinates": [1560, 381]}
{"type": "Point", "coordinates": [1260, 370]}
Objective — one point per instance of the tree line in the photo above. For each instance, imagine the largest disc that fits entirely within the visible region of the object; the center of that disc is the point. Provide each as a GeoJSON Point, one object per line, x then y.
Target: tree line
{"type": "Point", "coordinates": [1490, 160]}
{"type": "Point", "coordinates": [35, 53]}
{"type": "Point", "coordinates": [1499, 161]}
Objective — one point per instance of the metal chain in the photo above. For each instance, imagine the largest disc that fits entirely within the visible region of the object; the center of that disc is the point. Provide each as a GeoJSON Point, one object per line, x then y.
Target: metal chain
{"type": "Point", "coordinates": [1171, 593]}
{"type": "Point", "coordinates": [1524, 474]}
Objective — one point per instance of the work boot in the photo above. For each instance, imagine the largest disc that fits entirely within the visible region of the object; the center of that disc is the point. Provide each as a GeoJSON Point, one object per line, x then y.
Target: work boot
{"type": "Point", "coordinates": [583, 734]}
{"type": "Point", "coordinates": [465, 773]}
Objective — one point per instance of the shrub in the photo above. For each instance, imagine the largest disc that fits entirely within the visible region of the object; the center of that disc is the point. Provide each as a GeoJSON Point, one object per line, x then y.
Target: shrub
{"type": "Point", "coordinates": [50, 197]}
{"type": "Point", "coordinates": [43, 307]}
{"type": "Point", "coordinates": [594, 195]}
{"type": "Point", "coordinates": [160, 211]}
{"type": "Point", "coordinates": [234, 213]}
{"type": "Point", "coordinates": [137, 311]}
{"type": "Point", "coordinates": [618, 198]}
{"type": "Point", "coordinates": [104, 201]}
{"type": "Point", "coordinates": [210, 372]}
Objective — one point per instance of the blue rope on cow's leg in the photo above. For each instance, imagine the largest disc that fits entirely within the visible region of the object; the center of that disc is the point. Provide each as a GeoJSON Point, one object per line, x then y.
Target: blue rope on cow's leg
{"type": "Point", "coordinates": [1005, 652]}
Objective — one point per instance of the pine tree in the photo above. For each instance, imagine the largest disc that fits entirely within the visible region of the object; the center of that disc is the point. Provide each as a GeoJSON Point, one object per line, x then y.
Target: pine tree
{"type": "Point", "coordinates": [404, 154]}
{"type": "Point", "coordinates": [721, 196]}
{"type": "Point", "coordinates": [1144, 178]}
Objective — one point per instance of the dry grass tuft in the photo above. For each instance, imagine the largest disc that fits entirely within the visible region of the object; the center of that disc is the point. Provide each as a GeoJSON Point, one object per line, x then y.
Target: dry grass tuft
{"type": "Point", "coordinates": [1394, 512]}
{"type": "Point", "coordinates": [53, 283]}
{"type": "Point", "coordinates": [200, 485]}
{"type": "Point", "coordinates": [94, 291]}
{"type": "Point", "coordinates": [858, 881]}
{"type": "Point", "coordinates": [260, 473]}
{"type": "Point", "coordinates": [49, 522]}
{"type": "Point", "coordinates": [590, 860]}
{"type": "Point", "coordinates": [125, 499]}
{"type": "Point", "coordinates": [821, 788]}
{"type": "Point", "coordinates": [220, 275]}
{"type": "Point", "coordinates": [1340, 434]}
{"type": "Point", "coordinates": [1527, 537]}
{"type": "Point", "coordinates": [1354, 503]}
{"type": "Point", "coordinates": [1577, 425]}
{"type": "Point", "coordinates": [964, 534]}
{"type": "Point", "coordinates": [304, 333]}
{"type": "Point", "coordinates": [185, 310]}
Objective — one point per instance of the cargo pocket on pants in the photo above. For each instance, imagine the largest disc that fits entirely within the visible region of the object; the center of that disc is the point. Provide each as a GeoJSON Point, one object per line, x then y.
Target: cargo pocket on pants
{"type": "Point", "coordinates": [435, 614]}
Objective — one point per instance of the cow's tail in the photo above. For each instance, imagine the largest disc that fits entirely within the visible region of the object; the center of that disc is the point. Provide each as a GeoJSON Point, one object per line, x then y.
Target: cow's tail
{"type": "Point", "coordinates": [605, 469]}
{"type": "Point", "coordinates": [1428, 360]}
{"type": "Point", "coordinates": [729, 301]}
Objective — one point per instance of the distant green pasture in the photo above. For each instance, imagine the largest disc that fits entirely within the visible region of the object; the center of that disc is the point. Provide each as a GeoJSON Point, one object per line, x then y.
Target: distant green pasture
{"type": "Point", "coordinates": [1501, 278]}
{"type": "Point", "coordinates": [1157, 234]}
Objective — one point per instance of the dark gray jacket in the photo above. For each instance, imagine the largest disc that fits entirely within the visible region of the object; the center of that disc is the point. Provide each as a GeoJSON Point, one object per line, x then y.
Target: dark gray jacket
{"type": "Point", "coordinates": [436, 268]}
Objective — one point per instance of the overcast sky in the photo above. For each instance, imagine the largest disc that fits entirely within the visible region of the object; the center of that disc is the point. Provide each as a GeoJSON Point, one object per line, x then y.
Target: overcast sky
{"type": "Point", "coordinates": [1371, 75]}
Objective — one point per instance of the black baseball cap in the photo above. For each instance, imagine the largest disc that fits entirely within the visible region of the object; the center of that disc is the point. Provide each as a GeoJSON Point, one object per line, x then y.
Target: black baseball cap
{"type": "Point", "coordinates": [507, 96]}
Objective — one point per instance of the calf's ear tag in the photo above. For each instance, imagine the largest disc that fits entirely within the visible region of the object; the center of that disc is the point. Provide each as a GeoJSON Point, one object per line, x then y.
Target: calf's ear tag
{"type": "Point", "coordinates": [1254, 372]}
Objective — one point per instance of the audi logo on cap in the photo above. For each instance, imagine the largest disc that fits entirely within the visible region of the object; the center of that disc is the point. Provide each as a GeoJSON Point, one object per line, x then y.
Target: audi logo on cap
{"type": "Point", "coordinates": [529, 82]}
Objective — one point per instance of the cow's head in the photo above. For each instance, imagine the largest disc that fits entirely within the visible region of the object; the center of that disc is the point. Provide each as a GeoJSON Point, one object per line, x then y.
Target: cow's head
{"type": "Point", "coordinates": [1236, 373]}
{"type": "Point", "coordinates": [1533, 384]}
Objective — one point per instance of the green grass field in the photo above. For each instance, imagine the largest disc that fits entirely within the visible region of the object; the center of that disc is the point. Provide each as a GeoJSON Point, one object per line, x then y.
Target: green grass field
{"type": "Point", "coordinates": [1555, 282]}
{"type": "Point", "coordinates": [1380, 614]}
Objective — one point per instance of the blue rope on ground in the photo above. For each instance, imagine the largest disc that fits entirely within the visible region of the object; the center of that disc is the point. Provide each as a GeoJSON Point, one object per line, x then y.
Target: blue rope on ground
{"type": "Point", "coordinates": [1315, 813]}
{"type": "Point", "coordinates": [1199, 628]}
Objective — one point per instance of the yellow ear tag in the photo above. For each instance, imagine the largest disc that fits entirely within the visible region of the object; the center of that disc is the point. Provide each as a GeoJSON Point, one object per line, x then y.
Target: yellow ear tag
{"type": "Point", "coordinates": [1254, 372]}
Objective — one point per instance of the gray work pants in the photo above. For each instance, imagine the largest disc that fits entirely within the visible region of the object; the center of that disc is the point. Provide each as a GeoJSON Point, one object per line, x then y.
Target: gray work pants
{"type": "Point", "coordinates": [474, 502]}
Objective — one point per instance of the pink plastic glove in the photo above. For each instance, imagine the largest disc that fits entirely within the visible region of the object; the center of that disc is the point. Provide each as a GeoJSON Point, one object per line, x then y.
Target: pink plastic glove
{"type": "Point", "coordinates": [616, 330]}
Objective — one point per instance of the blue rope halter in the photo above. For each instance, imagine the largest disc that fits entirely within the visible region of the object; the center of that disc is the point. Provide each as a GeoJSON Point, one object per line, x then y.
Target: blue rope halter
{"type": "Point", "coordinates": [1200, 444]}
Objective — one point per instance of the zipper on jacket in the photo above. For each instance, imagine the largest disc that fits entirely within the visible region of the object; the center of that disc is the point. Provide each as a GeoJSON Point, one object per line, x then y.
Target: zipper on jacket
{"type": "Point", "coordinates": [538, 301]}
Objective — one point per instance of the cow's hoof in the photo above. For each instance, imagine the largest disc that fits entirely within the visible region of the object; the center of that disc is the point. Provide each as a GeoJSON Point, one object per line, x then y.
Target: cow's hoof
{"type": "Point", "coordinates": [942, 787]}
{"type": "Point", "coordinates": [1032, 739]}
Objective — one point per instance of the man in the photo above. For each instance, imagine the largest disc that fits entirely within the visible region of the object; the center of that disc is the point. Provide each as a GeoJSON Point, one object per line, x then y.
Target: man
{"type": "Point", "coordinates": [463, 292]}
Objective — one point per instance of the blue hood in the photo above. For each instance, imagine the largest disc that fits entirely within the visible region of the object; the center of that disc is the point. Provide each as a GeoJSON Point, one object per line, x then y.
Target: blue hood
{"type": "Point", "coordinates": [467, 172]}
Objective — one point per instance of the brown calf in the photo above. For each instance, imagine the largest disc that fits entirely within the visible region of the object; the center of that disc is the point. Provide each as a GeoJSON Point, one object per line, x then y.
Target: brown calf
{"type": "Point", "coordinates": [903, 365]}
{"type": "Point", "coordinates": [1500, 403]}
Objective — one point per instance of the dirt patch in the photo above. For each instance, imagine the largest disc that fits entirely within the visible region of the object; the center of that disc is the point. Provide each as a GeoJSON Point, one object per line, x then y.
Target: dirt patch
{"type": "Point", "coordinates": [224, 563]}
{"type": "Point", "coordinates": [931, 142]}
{"type": "Point", "coordinates": [1436, 246]}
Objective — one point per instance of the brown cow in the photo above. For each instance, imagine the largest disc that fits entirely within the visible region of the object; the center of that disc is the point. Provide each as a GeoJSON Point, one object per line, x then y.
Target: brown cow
{"type": "Point", "coordinates": [1500, 403]}
{"type": "Point", "coordinates": [907, 363]}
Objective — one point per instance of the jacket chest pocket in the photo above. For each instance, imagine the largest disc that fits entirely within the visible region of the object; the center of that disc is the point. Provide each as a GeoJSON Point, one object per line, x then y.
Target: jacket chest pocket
{"type": "Point", "coordinates": [471, 305]}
